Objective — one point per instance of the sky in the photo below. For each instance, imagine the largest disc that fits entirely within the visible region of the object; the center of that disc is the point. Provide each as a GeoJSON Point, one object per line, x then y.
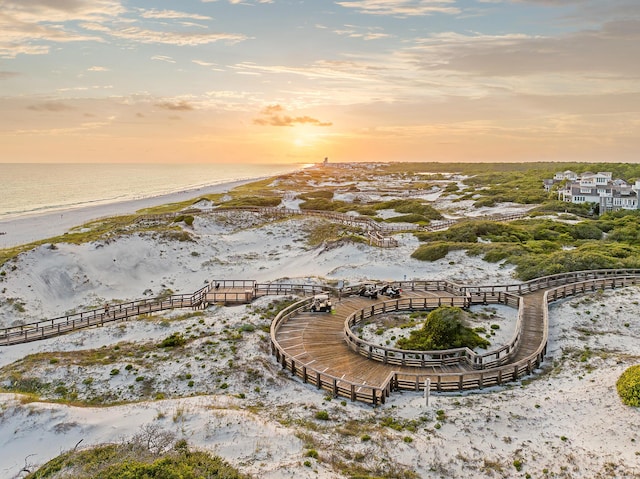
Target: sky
{"type": "Point", "coordinates": [279, 81]}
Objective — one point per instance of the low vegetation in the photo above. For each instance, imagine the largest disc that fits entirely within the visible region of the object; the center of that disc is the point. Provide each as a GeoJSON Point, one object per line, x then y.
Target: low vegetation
{"type": "Point", "coordinates": [150, 454]}
{"type": "Point", "coordinates": [539, 247]}
{"type": "Point", "coordinates": [628, 386]}
{"type": "Point", "coordinates": [444, 328]}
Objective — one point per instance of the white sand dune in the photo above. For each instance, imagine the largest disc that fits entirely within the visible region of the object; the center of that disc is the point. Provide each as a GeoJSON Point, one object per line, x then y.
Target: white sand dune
{"type": "Point", "coordinates": [565, 421]}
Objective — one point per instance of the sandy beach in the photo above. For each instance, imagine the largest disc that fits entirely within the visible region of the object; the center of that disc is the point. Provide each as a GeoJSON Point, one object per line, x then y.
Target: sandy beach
{"type": "Point", "coordinates": [25, 229]}
{"type": "Point", "coordinates": [226, 394]}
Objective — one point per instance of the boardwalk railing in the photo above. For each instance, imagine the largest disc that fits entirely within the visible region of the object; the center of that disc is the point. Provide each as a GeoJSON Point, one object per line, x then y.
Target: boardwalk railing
{"type": "Point", "coordinates": [95, 317]}
{"type": "Point", "coordinates": [378, 228]}
{"type": "Point", "coordinates": [494, 371]}
{"type": "Point", "coordinates": [514, 371]}
{"type": "Point", "coordinates": [334, 385]}
{"type": "Point", "coordinates": [494, 374]}
{"type": "Point", "coordinates": [439, 358]}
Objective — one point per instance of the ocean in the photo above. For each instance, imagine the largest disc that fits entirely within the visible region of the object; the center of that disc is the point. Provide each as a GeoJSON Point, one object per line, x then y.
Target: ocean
{"type": "Point", "coordinates": [30, 188]}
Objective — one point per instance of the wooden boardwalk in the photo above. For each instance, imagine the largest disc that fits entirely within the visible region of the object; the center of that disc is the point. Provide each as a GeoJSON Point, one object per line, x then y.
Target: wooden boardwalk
{"type": "Point", "coordinates": [322, 351]}
{"type": "Point", "coordinates": [319, 348]}
{"type": "Point", "coordinates": [318, 340]}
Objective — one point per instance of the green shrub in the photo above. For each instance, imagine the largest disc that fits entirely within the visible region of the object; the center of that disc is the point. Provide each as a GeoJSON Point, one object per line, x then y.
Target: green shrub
{"type": "Point", "coordinates": [586, 230]}
{"type": "Point", "coordinates": [173, 340]}
{"type": "Point", "coordinates": [131, 461]}
{"type": "Point", "coordinates": [267, 200]}
{"type": "Point", "coordinates": [409, 218]}
{"type": "Point", "coordinates": [628, 386]}
{"type": "Point", "coordinates": [431, 251]}
{"type": "Point", "coordinates": [443, 329]}
{"type": "Point", "coordinates": [323, 204]}
{"type": "Point", "coordinates": [322, 415]}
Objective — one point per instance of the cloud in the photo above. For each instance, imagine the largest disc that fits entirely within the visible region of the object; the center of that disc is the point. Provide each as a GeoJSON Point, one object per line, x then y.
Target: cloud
{"type": "Point", "coordinates": [175, 106]}
{"type": "Point", "coordinates": [36, 11]}
{"type": "Point", "coordinates": [244, 2]}
{"type": "Point", "coordinates": [172, 14]}
{"type": "Point", "coordinates": [367, 34]}
{"type": "Point", "coordinates": [98, 69]}
{"type": "Point", "coordinates": [202, 63]}
{"type": "Point", "coordinates": [272, 116]}
{"type": "Point", "coordinates": [402, 8]}
{"type": "Point", "coordinates": [175, 38]}
{"type": "Point", "coordinates": [5, 74]}
{"type": "Point", "coordinates": [52, 106]}
{"type": "Point", "coordinates": [28, 26]}
{"type": "Point", "coordinates": [31, 26]}
{"type": "Point", "coordinates": [163, 58]}
{"type": "Point", "coordinates": [607, 50]}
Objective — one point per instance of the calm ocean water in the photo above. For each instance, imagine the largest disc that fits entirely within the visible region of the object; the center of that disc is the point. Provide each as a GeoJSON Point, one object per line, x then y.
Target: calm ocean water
{"type": "Point", "coordinates": [42, 188]}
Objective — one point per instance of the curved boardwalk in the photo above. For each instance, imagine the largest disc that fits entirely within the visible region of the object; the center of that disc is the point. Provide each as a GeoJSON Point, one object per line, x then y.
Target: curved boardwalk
{"type": "Point", "coordinates": [319, 348]}
{"type": "Point", "coordinates": [318, 340]}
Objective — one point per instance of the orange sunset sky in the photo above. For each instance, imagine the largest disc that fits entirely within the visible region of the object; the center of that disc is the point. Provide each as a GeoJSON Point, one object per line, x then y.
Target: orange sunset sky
{"type": "Point", "coordinates": [278, 81]}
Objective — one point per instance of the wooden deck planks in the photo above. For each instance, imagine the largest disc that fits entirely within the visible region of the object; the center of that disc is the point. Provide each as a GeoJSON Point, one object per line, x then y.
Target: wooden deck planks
{"type": "Point", "coordinates": [318, 339]}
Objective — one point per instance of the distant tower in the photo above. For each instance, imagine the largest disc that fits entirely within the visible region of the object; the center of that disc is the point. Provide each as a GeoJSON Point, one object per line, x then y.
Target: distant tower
{"type": "Point", "coordinates": [326, 160]}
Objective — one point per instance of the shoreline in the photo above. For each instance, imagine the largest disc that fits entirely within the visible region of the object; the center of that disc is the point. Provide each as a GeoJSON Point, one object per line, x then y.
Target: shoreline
{"type": "Point", "coordinates": [25, 229]}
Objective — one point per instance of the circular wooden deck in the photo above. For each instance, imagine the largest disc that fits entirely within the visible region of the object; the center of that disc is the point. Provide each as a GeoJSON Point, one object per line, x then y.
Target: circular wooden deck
{"type": "Point", "coordinates": [315, 346]}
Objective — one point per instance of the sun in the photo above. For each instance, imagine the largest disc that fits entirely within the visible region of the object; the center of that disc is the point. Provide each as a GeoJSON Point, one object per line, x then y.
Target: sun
{"type": "Point", "coordinates": [305, 137]}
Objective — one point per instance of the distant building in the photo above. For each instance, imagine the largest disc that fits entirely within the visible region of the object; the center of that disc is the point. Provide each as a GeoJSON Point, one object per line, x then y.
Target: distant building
{"type": "Point", "coordinates": [598, 188]}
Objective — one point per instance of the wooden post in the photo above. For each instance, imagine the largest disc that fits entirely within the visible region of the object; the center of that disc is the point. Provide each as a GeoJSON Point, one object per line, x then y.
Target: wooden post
{"type": "Point", "coordinates": [427, 391]}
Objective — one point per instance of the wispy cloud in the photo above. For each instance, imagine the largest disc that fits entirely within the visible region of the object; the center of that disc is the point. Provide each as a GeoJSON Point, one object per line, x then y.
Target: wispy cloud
{"type": "Point", "coordinates": [273, 116]}
{"type": "Point", "coordinates": [176, 38]}
{"type": "Point", "coordinates": [31, 26]}
{"type": "Point", "coordinates": [352, 31]}
{"type": "Point", "coordinates": [98, 69]}
{"type": "Point", "coordinates": [246, 2]}
{"type": "Point", "coordinates": [173, 14]}
{"type": "Point", "coordinates": [5, 74]}
{"type": "Point", "coordinates": [606, 50]}
{"type": "Point", "coordinates": [163, 58]}
{"type": "Point", "coordinates": [402, 8]}
{"type": "Point", "coordinates": [51, 106]}
{"type": "Point", "coordinates": [175, 106]}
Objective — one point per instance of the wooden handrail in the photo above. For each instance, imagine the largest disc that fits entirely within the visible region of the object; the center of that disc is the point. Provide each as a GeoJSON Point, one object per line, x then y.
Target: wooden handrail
{"type": "Point", "coordinates": [556, 287]}
{"type": "Point", "coordinates": [475, 379]}
{"type": "Point", "coordinates": [364, 221]}
{"type": "Point", "coordinates": [419, 358]}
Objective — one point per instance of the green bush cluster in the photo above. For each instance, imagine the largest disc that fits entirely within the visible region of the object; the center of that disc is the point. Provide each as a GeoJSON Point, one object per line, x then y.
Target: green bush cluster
{"type": "Point", "coordinates": [323, 204]}
{"type": "Point", "coordinates": [628, 386]}
{"type": "Point", "coordinates": [188, 219]}
{"type": "Point", "coordinates": [431, 251]}
{"type": "Point", "coordinates": [261, 201]}
{"type": "Point", "coordinates": [173, 340]}
{"type": "Point", "coordinates": [410, 207]}
{"type": "Point", "coordinates": [122, 461]}
{"type": "Point", "coordinates": [539, 247]}
{"type": "Point", "coordinates": [444, 328]}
